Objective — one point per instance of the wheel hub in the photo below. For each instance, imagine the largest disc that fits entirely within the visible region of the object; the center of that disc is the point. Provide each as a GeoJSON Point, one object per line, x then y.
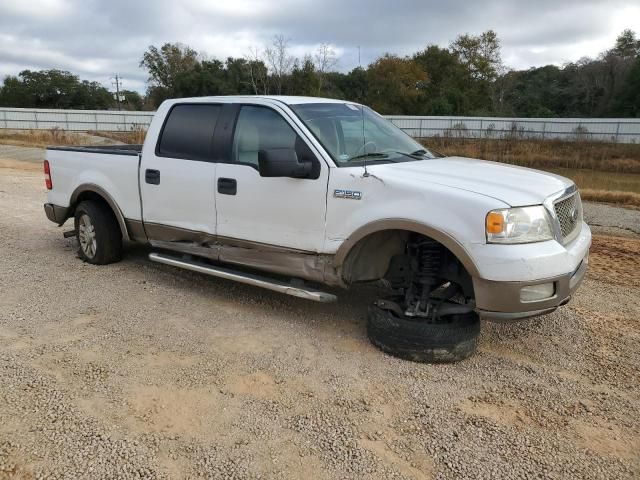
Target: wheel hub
{"type": "Point", "coordinates": [87, 236]}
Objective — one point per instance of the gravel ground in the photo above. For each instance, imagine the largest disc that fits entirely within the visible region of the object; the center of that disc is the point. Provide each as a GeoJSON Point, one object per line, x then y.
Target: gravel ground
{"type": "Point", "coordinates": [613, 220]}
{"type": "Point", "coordinates": [25, 154]}
{"type": "Point", "coordinates": [137, 370]}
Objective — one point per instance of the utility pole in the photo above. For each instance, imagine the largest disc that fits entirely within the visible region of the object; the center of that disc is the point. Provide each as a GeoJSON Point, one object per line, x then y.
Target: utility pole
{"type": "Point", "coordinates": [118, 83]}
{"type": "Point", "coordinates": [359, 64]}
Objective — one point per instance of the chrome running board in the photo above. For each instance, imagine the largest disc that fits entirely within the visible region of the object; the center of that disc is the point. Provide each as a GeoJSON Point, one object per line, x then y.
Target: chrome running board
{"type": "Point", "coordinates": [242, 277]}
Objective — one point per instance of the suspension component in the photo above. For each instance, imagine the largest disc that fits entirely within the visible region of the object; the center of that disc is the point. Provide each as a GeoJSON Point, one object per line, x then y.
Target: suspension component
{"type": "Point", "coordinates": [427, 258]}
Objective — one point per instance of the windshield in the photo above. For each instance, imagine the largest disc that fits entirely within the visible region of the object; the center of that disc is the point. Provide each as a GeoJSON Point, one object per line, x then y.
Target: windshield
{"type": "Point", "coordinates": [353, 134]}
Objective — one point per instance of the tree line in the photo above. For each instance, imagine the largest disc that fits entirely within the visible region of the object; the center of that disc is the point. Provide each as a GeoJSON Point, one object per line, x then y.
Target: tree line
{"type": "Point", "coordinates": [466, 78]}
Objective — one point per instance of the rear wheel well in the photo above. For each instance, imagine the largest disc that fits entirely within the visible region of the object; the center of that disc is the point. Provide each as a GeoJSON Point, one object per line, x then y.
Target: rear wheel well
{"type": "Point", "coordinates": [89, 195]}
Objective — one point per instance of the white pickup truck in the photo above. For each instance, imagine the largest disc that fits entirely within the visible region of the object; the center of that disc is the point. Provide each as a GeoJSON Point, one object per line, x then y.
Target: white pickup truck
{"type": "Point", "coordinates": [312, 191]}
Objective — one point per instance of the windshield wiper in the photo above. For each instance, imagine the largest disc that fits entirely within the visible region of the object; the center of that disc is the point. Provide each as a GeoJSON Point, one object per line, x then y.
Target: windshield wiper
{"type": "Point", "coordinates": [369, 155]}
{"type": "Point", "coordinates": [421, 154]}
{"type": "Point", "coordinates": [431, 152]}
{"type": "Point", "coordinates": [417, 155]}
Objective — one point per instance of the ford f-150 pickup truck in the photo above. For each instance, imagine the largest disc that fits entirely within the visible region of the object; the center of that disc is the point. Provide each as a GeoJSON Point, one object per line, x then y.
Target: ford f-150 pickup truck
{"type": "Point", "coordinates": [291, 193]}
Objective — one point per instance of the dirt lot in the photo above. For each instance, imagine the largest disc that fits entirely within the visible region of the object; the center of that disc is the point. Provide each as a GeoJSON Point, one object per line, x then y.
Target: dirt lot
{"type": "Point", "coordinates": [139, 370]}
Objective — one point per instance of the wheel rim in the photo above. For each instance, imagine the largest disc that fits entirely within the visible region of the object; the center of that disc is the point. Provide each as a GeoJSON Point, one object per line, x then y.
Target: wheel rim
{"type": "Point", "coordinates": [87, 236]}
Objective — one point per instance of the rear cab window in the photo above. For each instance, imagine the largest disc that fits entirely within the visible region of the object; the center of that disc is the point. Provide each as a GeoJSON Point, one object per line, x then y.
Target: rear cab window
{"type": "Point", "coordinates": [188, 132]}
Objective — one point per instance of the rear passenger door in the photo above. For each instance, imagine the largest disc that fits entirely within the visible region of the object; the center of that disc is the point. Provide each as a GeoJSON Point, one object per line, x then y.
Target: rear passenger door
{"type": "Point", "coordinates": [286, 212]}
{"type": "Point", "coordinates": [177, 179]}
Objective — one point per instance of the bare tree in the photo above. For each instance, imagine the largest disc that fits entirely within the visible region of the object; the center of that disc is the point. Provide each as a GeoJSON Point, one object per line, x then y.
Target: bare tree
{"type": "Point", "coordinates": [258, 74]}
{"type": "Point", "coordinates": [325, 60]}
{"type": "Point", "coordinates": [279, 61]}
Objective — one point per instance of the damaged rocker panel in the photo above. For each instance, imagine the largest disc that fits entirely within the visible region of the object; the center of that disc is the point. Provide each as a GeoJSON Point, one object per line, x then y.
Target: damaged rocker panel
{"type": "Point", "coordinates": [269, 258]}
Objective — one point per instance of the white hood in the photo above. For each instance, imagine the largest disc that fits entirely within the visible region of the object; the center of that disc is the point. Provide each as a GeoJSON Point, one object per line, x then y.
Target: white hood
{"type": "Point", "coordinates": [515, 186]}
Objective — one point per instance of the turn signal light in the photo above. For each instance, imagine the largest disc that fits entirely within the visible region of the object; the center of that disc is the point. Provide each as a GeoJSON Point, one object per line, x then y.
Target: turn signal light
{"type": "Point", "coordinates": [495, 222]}
{"type": "Point", "coordinates": [47, 175]}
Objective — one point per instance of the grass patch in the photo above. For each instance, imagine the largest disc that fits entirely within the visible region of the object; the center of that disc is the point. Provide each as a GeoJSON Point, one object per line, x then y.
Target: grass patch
{"type": "Point", "coordinates": [544, 154]}
{"type": "Point", "coordinates": [135, 136]}
{"type": "Point", "coordinates": [40, 138]}
{"type": "Point", "coordinates": [607, 196]}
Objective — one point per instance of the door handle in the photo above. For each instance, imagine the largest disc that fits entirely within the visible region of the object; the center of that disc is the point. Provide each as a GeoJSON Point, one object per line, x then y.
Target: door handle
{"type": "Point", "coordinates": [152, 176]}
{"type": "Point", "coordinates": [227, 186]}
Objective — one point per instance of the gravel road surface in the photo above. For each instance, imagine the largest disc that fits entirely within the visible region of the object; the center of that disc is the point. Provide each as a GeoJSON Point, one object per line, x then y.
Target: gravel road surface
{"type": "Point", "coordinates": [138, 370]}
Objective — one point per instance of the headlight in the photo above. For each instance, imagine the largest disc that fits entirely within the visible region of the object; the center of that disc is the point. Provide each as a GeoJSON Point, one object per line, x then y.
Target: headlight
{"type": "Point", "coordinates": [519, 225]}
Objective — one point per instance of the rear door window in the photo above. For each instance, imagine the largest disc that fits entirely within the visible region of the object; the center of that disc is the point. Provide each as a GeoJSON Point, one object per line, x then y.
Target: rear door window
{"type": "Point", "coordinates": [188, 131]}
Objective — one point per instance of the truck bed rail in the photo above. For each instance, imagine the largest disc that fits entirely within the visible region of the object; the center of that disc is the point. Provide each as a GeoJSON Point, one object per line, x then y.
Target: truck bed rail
{"type": "Point", "coordinates": [133, 150]}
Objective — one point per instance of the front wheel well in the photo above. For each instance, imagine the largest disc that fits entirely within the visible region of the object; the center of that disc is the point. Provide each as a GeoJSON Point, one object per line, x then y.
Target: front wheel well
{"type": "Point", "coordinates": [422, 276]}
{"type": "Point", "coordinates": [371, 258]}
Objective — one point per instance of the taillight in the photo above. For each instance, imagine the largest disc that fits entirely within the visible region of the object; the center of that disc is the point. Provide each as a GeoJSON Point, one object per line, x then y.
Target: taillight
{"type": "Point", "coordinates": [47, 175]}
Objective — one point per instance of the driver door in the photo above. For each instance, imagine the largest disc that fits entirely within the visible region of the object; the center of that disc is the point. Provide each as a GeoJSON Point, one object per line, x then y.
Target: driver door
{"type": "Point", "coordinates": [281, 211]}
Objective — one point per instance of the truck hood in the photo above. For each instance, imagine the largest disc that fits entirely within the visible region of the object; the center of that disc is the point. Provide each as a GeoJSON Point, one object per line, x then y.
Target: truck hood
{"type": "Point", "coordinates": [515, 186]}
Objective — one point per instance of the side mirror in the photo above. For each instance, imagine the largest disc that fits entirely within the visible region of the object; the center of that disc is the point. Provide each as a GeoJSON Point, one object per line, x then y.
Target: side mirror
{"type": "Point", "coordinates": [282, 162]}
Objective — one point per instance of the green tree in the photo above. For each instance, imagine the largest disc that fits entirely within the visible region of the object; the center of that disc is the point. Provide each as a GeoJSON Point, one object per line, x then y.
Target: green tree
{"type": "Point", "coordinates": [164, 65]}
{"type": "Point", "coordinates": [537, 92]}
{"type": "Point", "coordinates": [396, 85]}
{"type": "Point", "coordinates": [446, 91]}
{"type": "Point", "coordinates": [305, 79]}
{"type": "Point", "coordinates": [14, 93]}
{"type": "Point", "coordinates": [205, 78]}
{"type": "Point", "coordinates": [237, 75]}
{"type": "Point", "coordinates": [628, 103]}
{"type": "Point", "coordinates": [353, 86]}
{"type": "Point", "coordinates": [132, 100]}
{"type": "Point", "coordinates": [480, 54]}
{"type": "Point", "coordinates": [53, 89]}
{"type": "Point", "coordinates": [627, 45]}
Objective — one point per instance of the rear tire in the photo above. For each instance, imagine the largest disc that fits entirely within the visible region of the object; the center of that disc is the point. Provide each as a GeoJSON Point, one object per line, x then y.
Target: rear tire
{"type": "Point", "coordinates": [419, 341]}
{"type": "Point", "coordinates": [98, 232]}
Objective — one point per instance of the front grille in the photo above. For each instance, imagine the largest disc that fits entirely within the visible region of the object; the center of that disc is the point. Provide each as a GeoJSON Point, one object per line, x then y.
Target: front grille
{"type": "Point", "coordinates": [569, 213]}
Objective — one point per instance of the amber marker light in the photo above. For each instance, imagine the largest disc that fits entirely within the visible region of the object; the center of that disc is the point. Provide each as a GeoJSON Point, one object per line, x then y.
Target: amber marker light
{"type": "Point", "coordinates": [495, 222]}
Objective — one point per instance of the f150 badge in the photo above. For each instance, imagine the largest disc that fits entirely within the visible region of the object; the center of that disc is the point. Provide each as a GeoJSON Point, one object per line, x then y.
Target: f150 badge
{"type": "Point", "coordinates": [349, 194]}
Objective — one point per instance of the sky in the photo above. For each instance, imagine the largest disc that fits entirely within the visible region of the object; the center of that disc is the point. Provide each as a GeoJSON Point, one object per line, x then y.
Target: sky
{"type": "Point", "coordinates": [97, 39]}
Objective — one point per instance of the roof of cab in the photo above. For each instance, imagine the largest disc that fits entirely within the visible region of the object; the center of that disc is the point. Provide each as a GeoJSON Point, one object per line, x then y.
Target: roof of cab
{"type": "Point", "coordinates": [287, 99]}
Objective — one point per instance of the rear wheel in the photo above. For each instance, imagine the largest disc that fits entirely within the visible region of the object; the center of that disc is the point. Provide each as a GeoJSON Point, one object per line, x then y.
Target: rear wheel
{"type": "Point", "coordinates": [99, 235]}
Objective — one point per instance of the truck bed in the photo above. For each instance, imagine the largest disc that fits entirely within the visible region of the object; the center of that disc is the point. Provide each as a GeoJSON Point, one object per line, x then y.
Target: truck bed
{"type": "Point", "coordinates": [134, 150]}
{"type": "Point", "coordinates": [111, 168]}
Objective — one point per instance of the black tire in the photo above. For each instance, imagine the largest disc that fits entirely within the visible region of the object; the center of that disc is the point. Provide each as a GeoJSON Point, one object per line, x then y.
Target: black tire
{"type": "Point", "coordinates": [108, 237]}
{"type": "Point", "coordinates": [420, 341]}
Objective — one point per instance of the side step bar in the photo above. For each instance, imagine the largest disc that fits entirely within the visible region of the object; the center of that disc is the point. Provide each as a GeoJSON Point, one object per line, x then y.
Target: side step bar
{"type": "Point", "coordinates": [242, 277]}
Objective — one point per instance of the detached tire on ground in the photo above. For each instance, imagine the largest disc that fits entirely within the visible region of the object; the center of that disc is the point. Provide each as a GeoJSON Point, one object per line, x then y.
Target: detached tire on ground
{"type": "Point", "coordinates": [99, 235]}
{"type": "Point", "coordinates": [419, 341]}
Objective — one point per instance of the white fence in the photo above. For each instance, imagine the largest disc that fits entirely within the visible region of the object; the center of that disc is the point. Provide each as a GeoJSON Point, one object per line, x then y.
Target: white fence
{"type": "Point", "coordinates": [73, 120]}
{"type": "Point", "coordinates": [621, 130]}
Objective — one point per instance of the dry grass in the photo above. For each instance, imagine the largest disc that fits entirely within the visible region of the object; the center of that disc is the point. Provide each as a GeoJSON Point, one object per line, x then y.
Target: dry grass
{"type": "Point", "coordinates": [605, 157]}
{"type": "Point", "coordinates": [40, 138]}
{"type": "Point", "coordinates": [607, 196]}
{"type": "Point", "coordinates": [135, 136]}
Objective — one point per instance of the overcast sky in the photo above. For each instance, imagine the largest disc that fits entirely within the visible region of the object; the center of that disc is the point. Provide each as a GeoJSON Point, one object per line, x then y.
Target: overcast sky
{"type": "Point", "coordinates": [97, 39]}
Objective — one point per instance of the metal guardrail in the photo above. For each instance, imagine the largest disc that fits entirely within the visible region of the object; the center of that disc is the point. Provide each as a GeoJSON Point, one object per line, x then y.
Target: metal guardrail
{"type": "Point", "coordinates": [623, 130]}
